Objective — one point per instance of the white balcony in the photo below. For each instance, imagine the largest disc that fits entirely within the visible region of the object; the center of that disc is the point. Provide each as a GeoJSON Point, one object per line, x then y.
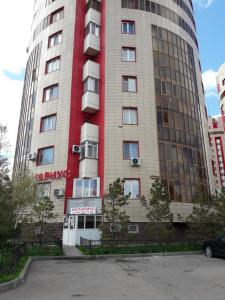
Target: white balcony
{"type": "Point", "coordinates": [89, 132]}
{"type": "Point", "coordinates": [91, 69]}
{"type": "Point", "coordinates": [90, 102]}
{"type": "Point", "coordinates": [91, 45]}
{"type": "Point", "coordinates": [88, 168]}
{"type": "Point", "coordinates": [92, 16]}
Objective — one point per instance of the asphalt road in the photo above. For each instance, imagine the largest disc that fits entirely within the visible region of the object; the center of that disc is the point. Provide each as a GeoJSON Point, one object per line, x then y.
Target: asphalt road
{"type": "Point", "coordinates": [150, 278]}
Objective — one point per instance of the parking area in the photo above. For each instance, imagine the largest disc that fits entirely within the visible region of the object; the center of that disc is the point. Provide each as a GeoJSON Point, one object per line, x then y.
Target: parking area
{"type": "Point", "coordinates": [157, 278]}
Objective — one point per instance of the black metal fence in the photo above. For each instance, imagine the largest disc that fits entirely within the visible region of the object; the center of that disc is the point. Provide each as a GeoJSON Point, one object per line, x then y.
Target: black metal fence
{"type": "Point", "coordinates": [10, 256]}
{"type": "Point", "coordinates": [92, 244]}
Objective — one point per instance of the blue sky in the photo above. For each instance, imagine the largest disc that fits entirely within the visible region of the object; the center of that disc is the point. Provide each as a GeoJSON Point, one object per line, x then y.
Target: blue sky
{"type": "Point", "coordinates": [210, 22]}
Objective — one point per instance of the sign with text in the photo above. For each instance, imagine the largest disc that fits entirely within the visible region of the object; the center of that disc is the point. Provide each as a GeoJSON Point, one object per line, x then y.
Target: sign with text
{"type": "Point", "coordinates": [53, 175]}
{"type": "Point", "coordinates": [83, 211]}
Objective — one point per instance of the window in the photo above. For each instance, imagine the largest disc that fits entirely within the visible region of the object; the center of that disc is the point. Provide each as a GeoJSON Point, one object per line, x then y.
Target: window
{"type": "Point", "coordinates": [129, 84]}
{"type": "Point", "coordinates": [133, 228]}
{"type": "Point", "coordinates": [95, 4]}
{"type": "Point", "coordinates": [130, 116]}
{"type": "Point", "coordinates": [49, 2]}
{"type": "Point", "coordinates": [93, 28]}
{"type": "Point", "coordinates": [130, 150]}
{"type": "Point", "coordinates": [89, 222]}
{"type": "Point", "coordinates": [53, 65]}
{"type": "Point", "coordinates": [48, 123]}
{"type": "Point", "coordinates": [89, 149]}
{"type": "Point", "coordinates": [51, 93]}
{"type": "Point", "coordinates": [91, 84]}
{"type": "Point", "coordinates": [128, 54]}
{"type": "Point", "coordinates": [45, 156]}
{"type": "Point", "coordinates": [55, 39]}
{"type": "Point", "coordinates": [128, 27]}
{"type": "Point", "coordinates": [131, 187]}
{"type": "Point", "coordinates": [86, 188]}
{"type": "Point", "coordinates": [57, 15]}
{"type": "Point", "coordinates": [44, 189]}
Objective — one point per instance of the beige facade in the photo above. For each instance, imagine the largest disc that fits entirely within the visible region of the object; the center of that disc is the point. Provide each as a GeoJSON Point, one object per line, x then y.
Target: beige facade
{"type": "Point", "coordinates": [109, 19]}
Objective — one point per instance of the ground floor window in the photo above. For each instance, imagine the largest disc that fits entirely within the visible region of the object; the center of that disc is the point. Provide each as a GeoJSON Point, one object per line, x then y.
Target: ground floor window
{"type": "Point", "coordinates": [83, 222]}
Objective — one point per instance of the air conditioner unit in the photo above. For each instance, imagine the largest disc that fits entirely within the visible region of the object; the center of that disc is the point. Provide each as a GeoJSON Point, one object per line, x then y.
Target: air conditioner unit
{"type": "Point", "coordinates": [33, 156]}
{"type": "Point", "coordinates": [136, 162]}
{"type": "Point", "coordinates": [76, 149]}
{"type": "Point", "coordinates": [59, 193]}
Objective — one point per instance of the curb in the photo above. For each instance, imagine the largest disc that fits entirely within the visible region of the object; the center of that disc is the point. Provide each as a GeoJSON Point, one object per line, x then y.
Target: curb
{"type": "Point", "coordinates": [16, 282]}
{"type": "Point", "coordinates": [111, 256]}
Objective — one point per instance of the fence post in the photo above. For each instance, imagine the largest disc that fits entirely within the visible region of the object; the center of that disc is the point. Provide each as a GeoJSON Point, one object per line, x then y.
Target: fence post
{"type": "Point", "coordinates": [90, 247]}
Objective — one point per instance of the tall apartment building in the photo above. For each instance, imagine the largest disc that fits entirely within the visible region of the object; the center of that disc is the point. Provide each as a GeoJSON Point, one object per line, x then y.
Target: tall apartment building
{"type": "Point", "coordinates": [217, 142]}
{"type": "Point", "coordinates": [113, 89]}
{"type": "Point", "coordinates": [221, 91]}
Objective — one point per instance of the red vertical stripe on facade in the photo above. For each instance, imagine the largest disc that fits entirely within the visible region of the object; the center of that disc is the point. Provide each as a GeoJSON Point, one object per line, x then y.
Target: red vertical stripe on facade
{"type": "Point", "coordinates": [77, 117]}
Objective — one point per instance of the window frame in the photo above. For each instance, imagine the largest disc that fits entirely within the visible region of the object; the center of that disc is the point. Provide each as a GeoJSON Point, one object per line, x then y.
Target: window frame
{"type": "Point", "coordinates": [96, 26]}
{"type": "Point", "coordinates": [85, 145]}
{"type": "Point", "coordinates": [130, 108]}
{"type": "Point", "coordinates": [48, 88]}
{"type": "Point", "coordinates": [46, 183]}
{"type": "Point", "coordinates": [130, 142]}
{"type": "Point", "coordinates": [82, 192]}
{"type": "Point", "coordinates": [54, 13]}
{"type": "Point", "coordinates": [129, 48]}
{"type": "Point", "coordinates": [86, 85]}
{"type": "Point", "coordinates": [129, 77]}
{"type": "Point", "coordinates": [58, 59]}
{"type": "Point", "coordinates": [54, 35]}
{"type": "Point", "coordinates": [139, 186]}
{"type": "Point", "coordinates": [42, 123]}
{"type": "Point", "coordinates": [128, 21]}
{"type": "Point", "coordinates": [42, 149]}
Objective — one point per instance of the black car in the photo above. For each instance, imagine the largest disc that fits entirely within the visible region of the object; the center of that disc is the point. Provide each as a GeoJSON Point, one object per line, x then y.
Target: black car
{"type": "Point", "coordinates": [215, 247]}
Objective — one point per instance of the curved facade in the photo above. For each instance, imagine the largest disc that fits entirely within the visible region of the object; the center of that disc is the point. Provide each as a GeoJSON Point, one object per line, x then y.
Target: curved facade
{"type": "Point", "coordinates": [113, 89]}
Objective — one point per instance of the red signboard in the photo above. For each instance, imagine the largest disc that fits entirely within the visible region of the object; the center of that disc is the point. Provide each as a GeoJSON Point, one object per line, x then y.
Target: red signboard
{"type": "Point", "coordinates": [53, 175]}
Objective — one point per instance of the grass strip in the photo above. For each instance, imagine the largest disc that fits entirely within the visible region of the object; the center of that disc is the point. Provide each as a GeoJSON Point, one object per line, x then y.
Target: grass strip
{"type": "Point", "coordinates": [139, 249]}
{"type": "Point", "coordinates": [19, 268]}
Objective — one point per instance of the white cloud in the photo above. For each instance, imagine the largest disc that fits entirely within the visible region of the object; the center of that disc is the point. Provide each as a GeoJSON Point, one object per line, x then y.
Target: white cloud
{"type": "Point", "coordinates": [204, 3]}
{"type": "Point", "coordinates": [15, 24]}
{"type": "Point", "coordinates": [209, 82]}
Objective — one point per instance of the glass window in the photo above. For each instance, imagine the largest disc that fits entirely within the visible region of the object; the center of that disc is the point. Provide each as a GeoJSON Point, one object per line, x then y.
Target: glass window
{"type": "Point", "coordinates": [44, 189]}
{"type": "Point", "coordinates": [130, 116]}
{"type": "Point", "coordinates": [91, 84]}
{"type": "Point", "coordinates": [45, 156]}
{"type": "Point", "coordinates": [48, 123]}
{"type": "Point", "coordinates": [93, 28]}
{"type": "Point", "coordinates": [53, 65]}
{"type": "Point", "coordinates": [129, 84]}
{"type": "Point", "coordinates": [55, 39]}
{"type": "Point", "coordinates": [89, 149]}
{"type": "Point", "coordinates": [128, 27]}
{"type": "Point", "coordinates": [80, 222]}
{"type": "Point", "coordinates": [51, 93]}
{"type": "Point", "coordinates": [130, 150]}
{"type": "Point", "coordinates": [131, 187]}
{"type": "Point", "coordinates": [95, 4]}
{"type": "Point", "coordinates": [86, 188]}
{"type": "Point", "coordinates": [57, 15]}
{"type": "Point", "coordinates": [90, 222]}
{"type": "Point", "coordinates": [128, 54]}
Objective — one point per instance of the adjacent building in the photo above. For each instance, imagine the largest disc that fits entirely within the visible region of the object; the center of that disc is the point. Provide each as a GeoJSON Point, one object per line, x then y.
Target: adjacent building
{"type": "Point", "coordinates": [217, 142]}
{"type": "Point", "coordinates": [113, 89]}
